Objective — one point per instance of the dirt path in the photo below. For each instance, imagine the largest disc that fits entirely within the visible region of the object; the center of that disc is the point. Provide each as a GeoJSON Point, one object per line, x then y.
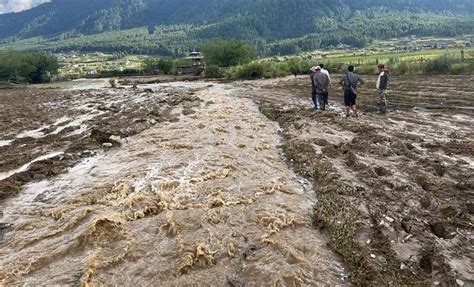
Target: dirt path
{"type": "Point", "coordinates": [205, 198]}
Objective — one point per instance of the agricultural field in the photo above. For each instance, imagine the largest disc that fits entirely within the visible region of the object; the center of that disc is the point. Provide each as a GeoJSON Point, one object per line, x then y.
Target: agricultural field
{"type": "Point", "coordinates": [93, 64]}
{"type": "Point", "coordinates": [400, 46]}
{"type": "Point", "coordinates": [229, 183]}
{"type": "Point", "coordinates": [75, 65]}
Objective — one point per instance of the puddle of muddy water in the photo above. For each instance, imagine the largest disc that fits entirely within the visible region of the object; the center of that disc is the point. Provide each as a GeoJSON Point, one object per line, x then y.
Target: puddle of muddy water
{"type": "Point", "coordinates": [207, 199]}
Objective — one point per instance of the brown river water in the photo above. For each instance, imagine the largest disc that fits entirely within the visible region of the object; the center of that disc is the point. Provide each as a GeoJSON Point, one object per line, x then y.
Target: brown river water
{"type": "Point", "coordinates": [206, 200]}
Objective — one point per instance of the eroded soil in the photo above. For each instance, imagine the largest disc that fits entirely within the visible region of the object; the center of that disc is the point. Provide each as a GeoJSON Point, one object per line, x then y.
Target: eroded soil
{"type": "Point", "coordinates": [396, 191]}
{"type": "Point", "coordinates": [68, 126]}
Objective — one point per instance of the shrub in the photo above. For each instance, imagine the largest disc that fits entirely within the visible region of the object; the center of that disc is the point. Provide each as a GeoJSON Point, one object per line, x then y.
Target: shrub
{"type": "Point", "coordinates": [275, 70]}
{"type": "Point", "coordinates": [253, 70]}
{"type": "Point", "coordinates": [365, 69]}
{"type": "Point", "coordinates": [441, 65]}
{"type": "Point", "coordinates": [402, 68]}
{"type": "Point", "coordinates": [156, 65]}
{"type": "Point", "coordinates": [213, 71]}
{"type": "Point", "coordinates": [295, 66]}
{"type": "Point", "coordinates": [462, 68]}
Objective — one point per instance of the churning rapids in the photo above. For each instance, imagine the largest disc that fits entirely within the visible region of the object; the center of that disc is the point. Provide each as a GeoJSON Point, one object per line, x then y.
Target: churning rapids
{"type": "Point", "coordinates": [206, 200]}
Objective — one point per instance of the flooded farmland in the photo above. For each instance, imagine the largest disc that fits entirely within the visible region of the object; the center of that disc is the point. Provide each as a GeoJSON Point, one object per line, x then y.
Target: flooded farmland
{"type": "Point", "coordinates": [235, 184]}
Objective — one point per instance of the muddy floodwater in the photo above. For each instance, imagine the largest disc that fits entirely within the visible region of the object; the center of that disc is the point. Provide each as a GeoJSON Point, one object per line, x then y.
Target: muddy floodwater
{"type": "Point", "coordinates": [204, 199]}
{"type": "Point", "coordinates": [236, 184]}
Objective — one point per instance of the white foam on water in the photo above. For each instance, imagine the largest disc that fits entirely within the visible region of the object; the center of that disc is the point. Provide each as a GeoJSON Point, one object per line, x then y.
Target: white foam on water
{"type": "Point", "coordinates": [32, 133]}
{"type": "Point", "coordinates": [25, 167]}
{"type": "Point", "coordinates": [82, 129]}
{"type": "Point", "coordinates": [75, 123]}
{"type": "Point", "coordinates": [37, 133]}
{"type": "Point", "coordinates": [5, 142]}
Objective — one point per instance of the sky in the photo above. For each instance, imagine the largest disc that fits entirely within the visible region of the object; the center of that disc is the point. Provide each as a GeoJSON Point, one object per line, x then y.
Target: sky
{"type": "Point", "coordinates": [7, 6]}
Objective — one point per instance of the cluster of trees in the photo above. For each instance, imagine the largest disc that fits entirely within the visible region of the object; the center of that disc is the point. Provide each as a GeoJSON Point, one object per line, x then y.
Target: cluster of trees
{"type": "Point", "coordinates": [27, 67]}
{"type": "Point", "coordinates": [154, 65]}
{"type": "Point", "coordinates": [171, 28]}
{"type": "Point", "coordinates": [227, 53]}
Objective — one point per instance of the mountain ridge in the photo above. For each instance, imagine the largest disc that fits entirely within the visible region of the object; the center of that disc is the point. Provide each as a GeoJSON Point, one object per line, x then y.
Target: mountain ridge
{"type": "Point", "coordinates": [258, 21]}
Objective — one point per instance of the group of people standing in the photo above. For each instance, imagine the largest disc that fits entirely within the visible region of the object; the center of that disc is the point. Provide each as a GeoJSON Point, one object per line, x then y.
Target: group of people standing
{"type": "Point", "coordinates": [321, 83]}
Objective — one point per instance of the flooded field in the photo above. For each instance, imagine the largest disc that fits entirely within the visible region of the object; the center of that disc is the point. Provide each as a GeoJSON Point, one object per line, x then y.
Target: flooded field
{"type": "Point", "coordinates": [396, 191]}
{"type": "Point", "coordinates": [192, 189]}
{"type": "Point", "coordinates": [236, 184]}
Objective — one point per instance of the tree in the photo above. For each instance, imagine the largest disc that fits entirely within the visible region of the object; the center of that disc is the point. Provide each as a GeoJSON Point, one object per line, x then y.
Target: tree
{"type": "Point", "coordinates": [166, 65]}
{"type": "Point", "coordinates": [227, 53]}
{"type": "Point", "coordinates": [31, 67]}
{"type": "Point", "coordinates": [155, 65]}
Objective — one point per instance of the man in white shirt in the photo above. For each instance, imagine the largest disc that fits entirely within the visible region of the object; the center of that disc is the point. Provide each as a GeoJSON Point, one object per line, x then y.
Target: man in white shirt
{"type": "Point", "coordinates": [326, 72]}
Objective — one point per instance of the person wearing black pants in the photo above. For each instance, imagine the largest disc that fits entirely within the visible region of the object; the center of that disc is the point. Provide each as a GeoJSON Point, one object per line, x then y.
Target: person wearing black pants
{"type": "Point", "coordinates": [321, 84]}
{"type": "Point", "coordinates": [349, 83]}
{"type": "Point", "coordinates": [323, 100]}
{"type": "Point", "coordinates": [314, 96]}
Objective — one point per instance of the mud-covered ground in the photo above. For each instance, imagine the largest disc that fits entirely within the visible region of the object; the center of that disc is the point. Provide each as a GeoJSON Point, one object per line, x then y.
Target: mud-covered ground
{"type": "Point", "coordinates": [236, 184]}
{"type": "Point", "coordinates": [396, 191]}
{"type": "Point", "coordinates": [46, 131]}
{"type": "Point", "coordinates": [194, 190]}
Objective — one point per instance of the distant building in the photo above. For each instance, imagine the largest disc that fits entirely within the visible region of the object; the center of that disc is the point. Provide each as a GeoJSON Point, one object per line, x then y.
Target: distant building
{"type": "Point", "coordinates": [195, 68]}
{"type": "Point", "coordinates": [400, 49]}
{"type": "Point", "coordinates": [343, 46]}
{"type": "Point", "coordinates": [90, 72]}
{"type": "Point", "coordinates": [426, 47]}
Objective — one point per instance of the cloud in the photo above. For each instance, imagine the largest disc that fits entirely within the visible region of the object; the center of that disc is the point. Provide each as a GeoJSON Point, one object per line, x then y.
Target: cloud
{"type": "Point", "coordinates": [7, 6]}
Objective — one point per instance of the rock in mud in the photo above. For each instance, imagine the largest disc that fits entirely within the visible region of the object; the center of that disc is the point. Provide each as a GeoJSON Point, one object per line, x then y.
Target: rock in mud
{"type": "Point", "coordinates": [470, 207]}
{"type": "Point", "coordinates": [426, 262]}
{"type": "Point", "coordinates": [440, 230]}
{"type": "Point", "coordinates": [440, 169]}
{"type": "Point", "coordinates": [115, 140]}
{"type": "Point", "coordinates": [425, 202]}
{"type": "Point", "coordinates": [382, 171]}
{"type": "Point", "coordinates": [99, 136]}
{"type": "Point", "coordinates": [389, 219]}
{"type": "Point", "coordinates": [4, 228]}
{"type": "Point", "coordinates": [107, 145]}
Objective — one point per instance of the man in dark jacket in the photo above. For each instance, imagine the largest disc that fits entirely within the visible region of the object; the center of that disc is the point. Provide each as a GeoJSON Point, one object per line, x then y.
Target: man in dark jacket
{"type": "Point", "coordinates": [321, 82]}
{"type": "Point", "coordinates": [382, 86]}
{"type": "Point", "coordinates": [349, 84]}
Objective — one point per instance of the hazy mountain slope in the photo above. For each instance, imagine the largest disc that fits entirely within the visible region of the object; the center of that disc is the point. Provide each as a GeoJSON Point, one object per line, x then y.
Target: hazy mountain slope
{"type": "Point", "coordinates": [347, 21]}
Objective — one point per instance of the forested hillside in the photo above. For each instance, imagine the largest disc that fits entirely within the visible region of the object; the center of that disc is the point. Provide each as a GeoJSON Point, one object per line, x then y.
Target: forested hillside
{"type": "Point", "coordinates": [172, 27]}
